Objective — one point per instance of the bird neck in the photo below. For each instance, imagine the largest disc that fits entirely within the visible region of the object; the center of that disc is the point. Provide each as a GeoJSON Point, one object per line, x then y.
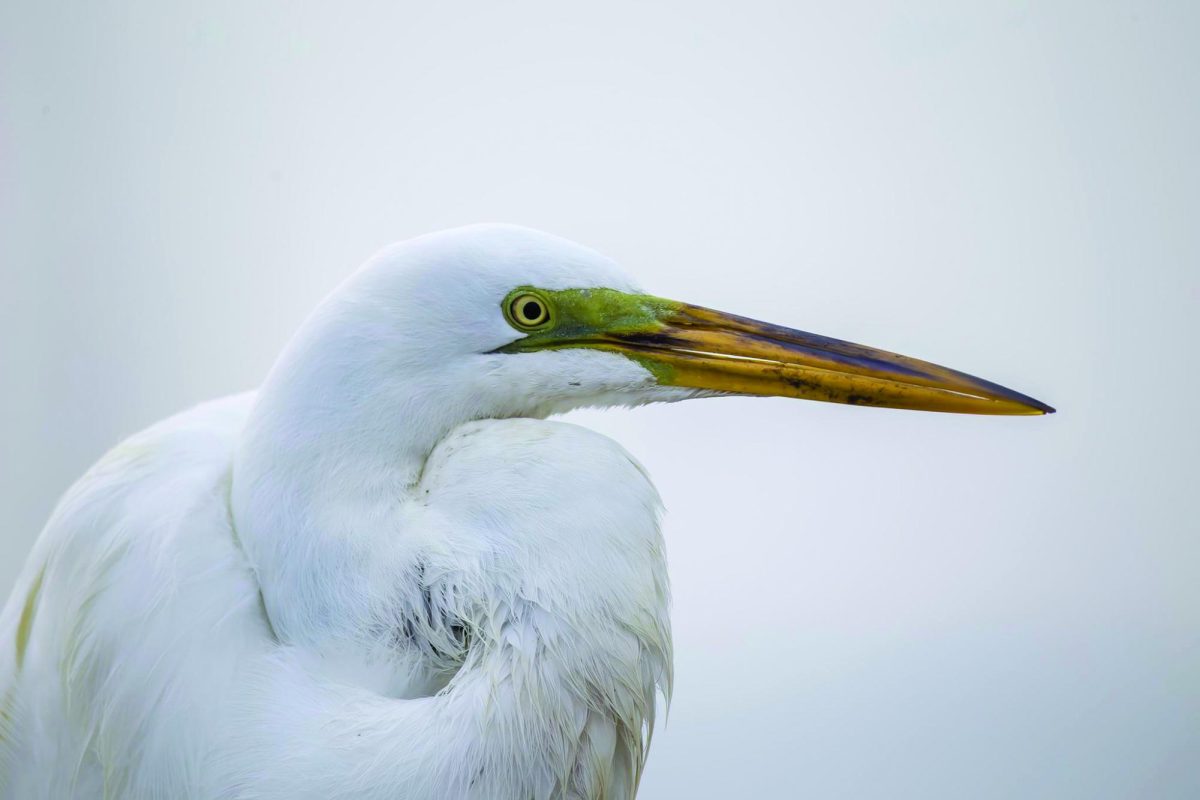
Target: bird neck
{"type": "Point", "coordinates": [528, 716]}
{"type": "Point", "coordinates": [546, 701]}
{"type": "Point", "coordinates": [530, 722]}
{"type": "Point", "coordinates": [333, 447]}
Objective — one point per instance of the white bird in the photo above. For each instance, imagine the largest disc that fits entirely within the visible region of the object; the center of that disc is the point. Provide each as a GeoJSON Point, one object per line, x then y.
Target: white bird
{"type": "Point", "coordinates": [384, 575]}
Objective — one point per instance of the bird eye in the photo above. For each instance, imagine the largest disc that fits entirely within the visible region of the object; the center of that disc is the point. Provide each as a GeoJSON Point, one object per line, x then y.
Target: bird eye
{"type": "Point", "coordinates": [527, 310]}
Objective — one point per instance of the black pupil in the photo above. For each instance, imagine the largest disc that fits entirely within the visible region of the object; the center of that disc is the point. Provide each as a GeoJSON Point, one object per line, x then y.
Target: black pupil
{"type": "Point", "coordinates": [531, 310]}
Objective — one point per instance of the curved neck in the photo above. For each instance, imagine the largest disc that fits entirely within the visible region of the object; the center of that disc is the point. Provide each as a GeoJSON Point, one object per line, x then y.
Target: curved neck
{"type": "Point", "coordinates": [334, 445]}
{"type": "Point", "coordinates": [517, 723]}
{"type": "Point", "coordinates": [326, 498]}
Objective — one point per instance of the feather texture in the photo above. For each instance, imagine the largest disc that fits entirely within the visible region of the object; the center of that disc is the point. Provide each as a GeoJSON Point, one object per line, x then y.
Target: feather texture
{"type": "Point", "coordinates": [377, 577]}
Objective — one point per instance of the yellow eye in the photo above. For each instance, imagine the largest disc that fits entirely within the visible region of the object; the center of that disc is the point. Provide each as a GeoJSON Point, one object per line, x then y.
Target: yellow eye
{"type": "Point", "coordinates": [527, 310]}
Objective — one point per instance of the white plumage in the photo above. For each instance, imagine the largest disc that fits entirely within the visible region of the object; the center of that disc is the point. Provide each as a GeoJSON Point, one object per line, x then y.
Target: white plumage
{"type": "Point", "coordinates": [383, 575]}
{"type": "Point", "coordinates": [448, 608]}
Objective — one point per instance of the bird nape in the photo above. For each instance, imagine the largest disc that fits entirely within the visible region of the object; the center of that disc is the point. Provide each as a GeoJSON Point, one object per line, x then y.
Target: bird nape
{"type": "Point", "coordinates": [384, 573]}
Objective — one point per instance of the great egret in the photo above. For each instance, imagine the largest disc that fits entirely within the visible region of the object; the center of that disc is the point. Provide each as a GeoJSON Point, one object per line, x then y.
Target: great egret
{"type": "Point", "coordinates": [384, 575]}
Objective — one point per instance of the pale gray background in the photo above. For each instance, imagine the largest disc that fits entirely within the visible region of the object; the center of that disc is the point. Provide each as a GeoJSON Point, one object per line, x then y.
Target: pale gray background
{"type": "Point", "coordinates": [867, 603]}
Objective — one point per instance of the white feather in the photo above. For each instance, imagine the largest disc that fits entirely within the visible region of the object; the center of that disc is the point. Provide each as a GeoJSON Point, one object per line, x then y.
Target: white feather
{"type": "Point", "coordinates": [375, 578]}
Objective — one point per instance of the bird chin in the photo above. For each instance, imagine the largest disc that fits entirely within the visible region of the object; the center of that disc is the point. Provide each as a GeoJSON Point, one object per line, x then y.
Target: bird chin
{"type": "Point", "coordinates": [654, 394]}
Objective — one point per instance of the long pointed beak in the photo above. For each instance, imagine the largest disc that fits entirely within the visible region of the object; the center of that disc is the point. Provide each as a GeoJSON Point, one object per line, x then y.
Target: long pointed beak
{"type": "Point", "coordinates": [705, 349]}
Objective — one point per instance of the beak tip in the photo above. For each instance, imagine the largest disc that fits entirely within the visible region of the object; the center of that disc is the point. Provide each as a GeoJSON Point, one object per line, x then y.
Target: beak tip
{"type": "Point", "coordinates": [1031, 406]}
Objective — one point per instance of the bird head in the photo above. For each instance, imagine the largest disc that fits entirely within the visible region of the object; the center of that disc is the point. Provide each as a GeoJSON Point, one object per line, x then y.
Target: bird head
{"type": "Point", "coordinates": [521, 323]}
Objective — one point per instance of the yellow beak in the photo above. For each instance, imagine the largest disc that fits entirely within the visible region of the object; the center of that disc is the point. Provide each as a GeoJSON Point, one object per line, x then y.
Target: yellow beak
{"type": "Point", "coordinates": [700, 348]}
